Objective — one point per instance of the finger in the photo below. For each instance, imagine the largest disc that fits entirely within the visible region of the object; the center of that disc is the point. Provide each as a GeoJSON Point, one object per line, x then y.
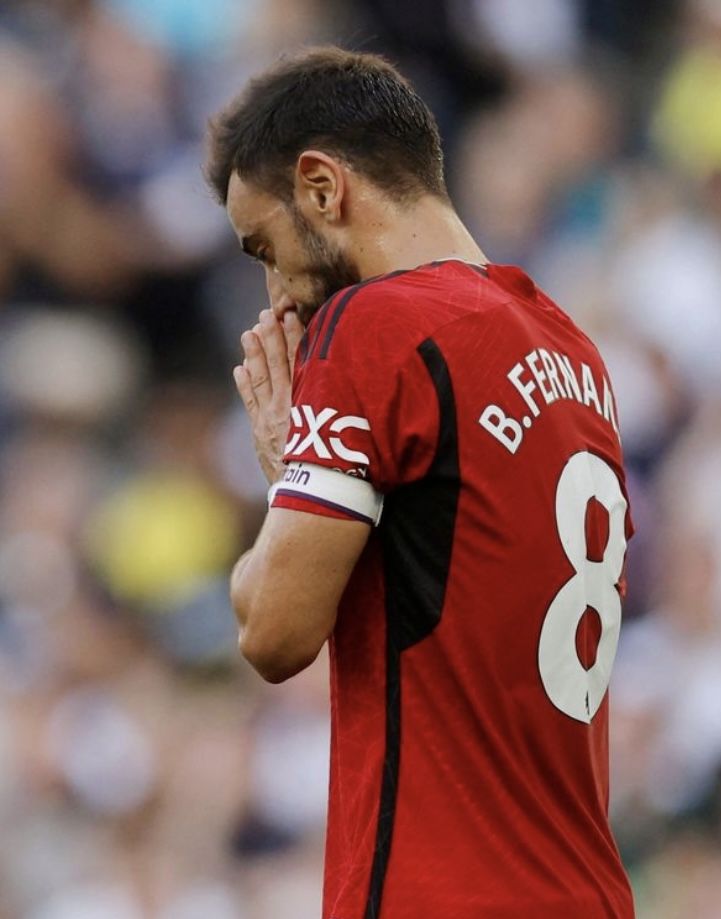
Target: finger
{"type": "Point", "coordinates": [257, 366]}
{"type": "Point", "coordinates": [245, 390]}
{"type": "Point", "coordinates": [294, 331]}
{"type": "Point", "coordinates": [276, 352]}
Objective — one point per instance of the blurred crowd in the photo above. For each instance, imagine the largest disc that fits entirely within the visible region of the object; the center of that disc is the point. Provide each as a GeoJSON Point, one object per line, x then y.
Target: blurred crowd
{"type": "Point", "coordinates": [145, 771]}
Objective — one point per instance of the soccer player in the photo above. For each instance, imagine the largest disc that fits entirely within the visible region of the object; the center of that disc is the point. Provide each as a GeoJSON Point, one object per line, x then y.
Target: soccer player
{"type": "Point", "coordinates": [447, 508]}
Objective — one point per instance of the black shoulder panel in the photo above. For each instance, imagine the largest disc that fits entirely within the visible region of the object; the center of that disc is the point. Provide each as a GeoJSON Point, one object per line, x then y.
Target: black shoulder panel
{"type": "Point", "coordinates": [419, 521]}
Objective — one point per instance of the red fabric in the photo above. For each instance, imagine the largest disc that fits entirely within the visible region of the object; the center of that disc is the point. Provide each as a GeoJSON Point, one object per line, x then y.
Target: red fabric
{"type": "Point", "coordinates": [502, 798]}
{"type": "Point", "coordinates": [309, 506]}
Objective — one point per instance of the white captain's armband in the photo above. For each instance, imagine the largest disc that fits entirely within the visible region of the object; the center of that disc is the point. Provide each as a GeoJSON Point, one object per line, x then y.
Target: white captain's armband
{"type": "Point", "coordinates": [330, 488]}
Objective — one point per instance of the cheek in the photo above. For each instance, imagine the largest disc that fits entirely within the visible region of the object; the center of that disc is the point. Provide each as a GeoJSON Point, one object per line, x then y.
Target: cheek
{"type": "Point", "coordinates": [300, 287]}
{"type": "Point", "coordinates": [297, 271]}
{"type": "Point", "coordinates": [288, 288]}
{"type": "Point", "coordinates": [295, 275]}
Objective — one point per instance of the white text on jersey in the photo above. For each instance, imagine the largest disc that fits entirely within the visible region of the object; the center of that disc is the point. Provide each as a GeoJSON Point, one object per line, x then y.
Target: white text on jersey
{"type": "Point", "coordinates": [551, 375]}
{"type": "Point", "coordinates": [310, 433]}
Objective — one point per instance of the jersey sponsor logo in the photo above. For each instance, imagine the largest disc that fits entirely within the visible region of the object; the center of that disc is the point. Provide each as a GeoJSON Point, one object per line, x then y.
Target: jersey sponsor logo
{"type": "Point", "coordinates": [296, 475]}
{"type": "Point", "coordinates": [321, 431]}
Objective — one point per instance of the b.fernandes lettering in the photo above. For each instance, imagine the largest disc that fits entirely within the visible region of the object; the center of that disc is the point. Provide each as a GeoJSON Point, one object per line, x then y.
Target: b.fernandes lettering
{"type": "Point", "coordinates": [542, 378]}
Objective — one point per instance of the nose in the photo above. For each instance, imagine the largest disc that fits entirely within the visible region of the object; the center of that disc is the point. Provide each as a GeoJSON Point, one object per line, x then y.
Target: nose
{"type": "Point", "coordinates": [279, 300]}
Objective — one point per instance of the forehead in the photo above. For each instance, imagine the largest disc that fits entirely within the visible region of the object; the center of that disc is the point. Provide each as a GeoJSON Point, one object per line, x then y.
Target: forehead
{"type": "Point", "coordinates": [249, 208]}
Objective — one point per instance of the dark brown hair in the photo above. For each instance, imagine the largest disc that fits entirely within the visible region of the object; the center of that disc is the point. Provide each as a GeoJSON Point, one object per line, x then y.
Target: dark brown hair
{"type": "Point", "coordinates": [353, 106]}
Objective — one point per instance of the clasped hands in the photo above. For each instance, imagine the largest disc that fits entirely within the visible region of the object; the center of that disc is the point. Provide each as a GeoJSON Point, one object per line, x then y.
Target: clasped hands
{"type": "Point", "coordinates": [264, 382]}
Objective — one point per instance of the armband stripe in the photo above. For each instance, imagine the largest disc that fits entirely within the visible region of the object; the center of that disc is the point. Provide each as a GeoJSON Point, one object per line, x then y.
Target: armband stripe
{"type": "Point", "coordinates": [286, 492]}
{"type": "Point", "coordinates": [330, 488]}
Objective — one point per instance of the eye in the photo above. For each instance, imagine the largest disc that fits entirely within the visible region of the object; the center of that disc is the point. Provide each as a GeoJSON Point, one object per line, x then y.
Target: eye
{"type": "Point", "coordinates": [266, 259]}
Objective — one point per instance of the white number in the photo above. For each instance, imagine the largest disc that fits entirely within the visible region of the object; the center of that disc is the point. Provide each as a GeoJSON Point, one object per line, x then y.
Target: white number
{"type": "Point", "coordinates": [573, 689]}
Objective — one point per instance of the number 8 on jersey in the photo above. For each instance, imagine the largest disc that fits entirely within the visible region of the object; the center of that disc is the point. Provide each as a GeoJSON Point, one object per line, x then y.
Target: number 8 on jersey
{"type": "Point", "coordinates": [572, 688]}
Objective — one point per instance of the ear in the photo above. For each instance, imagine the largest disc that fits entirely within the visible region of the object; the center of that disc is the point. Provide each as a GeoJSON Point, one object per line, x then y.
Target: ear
{"type": "Point", "coordinates": [320, 184]}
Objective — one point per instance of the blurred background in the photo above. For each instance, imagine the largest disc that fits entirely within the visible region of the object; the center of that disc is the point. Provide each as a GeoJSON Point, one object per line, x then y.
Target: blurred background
{"type": "Point", "coordinates": [145, 772]}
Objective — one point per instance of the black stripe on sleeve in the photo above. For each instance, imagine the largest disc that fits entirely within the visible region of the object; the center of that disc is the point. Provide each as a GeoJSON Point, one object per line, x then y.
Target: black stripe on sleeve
{"type": "Point", "coordinates": [345, 300]}
{"type": "Point", "coordinates": [313, 331]}
{"type": "Point", "coordinates": [302, 352]}
{"type": "Point", "coordinates": [417, 560]}
{"type": "Point", "coordinates": [333, 321]}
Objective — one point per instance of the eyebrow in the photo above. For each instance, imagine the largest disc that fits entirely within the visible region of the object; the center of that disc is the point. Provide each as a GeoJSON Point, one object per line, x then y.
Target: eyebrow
{"type": "Point", "coordinates": [249, 244]}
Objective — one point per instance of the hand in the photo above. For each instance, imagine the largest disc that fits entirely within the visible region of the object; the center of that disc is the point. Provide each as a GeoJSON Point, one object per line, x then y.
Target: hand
{"type": "Point", "coordinates": [264, 384]}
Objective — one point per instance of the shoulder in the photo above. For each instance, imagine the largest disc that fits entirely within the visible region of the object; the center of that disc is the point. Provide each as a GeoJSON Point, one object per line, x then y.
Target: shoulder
{"type": "Point", "coordinates": [391, 315]}
{"type": "Point", "coordinates": [376, 318]}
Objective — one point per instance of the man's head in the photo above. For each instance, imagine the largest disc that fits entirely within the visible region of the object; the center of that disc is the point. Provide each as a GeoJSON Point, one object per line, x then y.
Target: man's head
{"type": "Point", "coordinates": [297, 156]}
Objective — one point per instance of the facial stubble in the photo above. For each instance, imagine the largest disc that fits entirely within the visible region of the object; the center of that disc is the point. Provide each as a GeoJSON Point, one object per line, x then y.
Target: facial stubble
{"type": "Point", "coordinates": [329, 269]}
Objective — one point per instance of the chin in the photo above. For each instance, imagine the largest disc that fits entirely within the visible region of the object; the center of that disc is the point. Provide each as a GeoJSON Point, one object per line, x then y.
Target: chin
{"type": "Point", "coordinates": [307, 311]}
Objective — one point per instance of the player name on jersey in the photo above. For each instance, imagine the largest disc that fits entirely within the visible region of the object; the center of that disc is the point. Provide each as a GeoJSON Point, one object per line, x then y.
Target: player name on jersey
{"type": "Point", "coordinates": [552, 377]}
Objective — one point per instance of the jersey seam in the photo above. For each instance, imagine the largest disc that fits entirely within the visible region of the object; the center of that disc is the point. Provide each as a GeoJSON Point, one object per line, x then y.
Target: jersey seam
{"type": "Point", "coordinates": [412, 348]}
{"type": "Point", "coordinates": [344, 301]}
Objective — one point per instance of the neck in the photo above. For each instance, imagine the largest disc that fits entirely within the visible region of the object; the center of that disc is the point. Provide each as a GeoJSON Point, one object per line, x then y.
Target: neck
{"type": "Point", "coordinates": [403, 237]}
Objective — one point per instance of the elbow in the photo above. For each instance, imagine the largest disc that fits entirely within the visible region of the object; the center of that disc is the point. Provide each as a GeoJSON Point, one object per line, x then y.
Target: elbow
{"type": "Point", "coordinates": [275, 637]}
{"type": "Point", "coordinates": [275, 662]}
{"type": "Point", "coordinates": [256, 646]}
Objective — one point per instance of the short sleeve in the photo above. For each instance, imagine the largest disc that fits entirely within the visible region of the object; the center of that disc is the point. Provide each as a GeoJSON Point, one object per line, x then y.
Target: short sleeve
{"type": "Point", "coordinates": [364, 408]}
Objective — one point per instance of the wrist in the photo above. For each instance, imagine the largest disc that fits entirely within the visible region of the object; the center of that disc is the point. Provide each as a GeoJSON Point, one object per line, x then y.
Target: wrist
{"type": "Point", "coordinates": [273, 470]}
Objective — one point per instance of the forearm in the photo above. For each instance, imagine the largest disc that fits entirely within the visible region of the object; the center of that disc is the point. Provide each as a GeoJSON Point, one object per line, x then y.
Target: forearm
{"type": "Point", "coordinates": [274, 647]}
{"type": "Point", "coordinates": [235, 578]}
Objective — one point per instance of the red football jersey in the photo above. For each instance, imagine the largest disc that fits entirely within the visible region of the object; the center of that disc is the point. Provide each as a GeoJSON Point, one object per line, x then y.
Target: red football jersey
{"type": "Point", "coordinates": [461, 412]}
